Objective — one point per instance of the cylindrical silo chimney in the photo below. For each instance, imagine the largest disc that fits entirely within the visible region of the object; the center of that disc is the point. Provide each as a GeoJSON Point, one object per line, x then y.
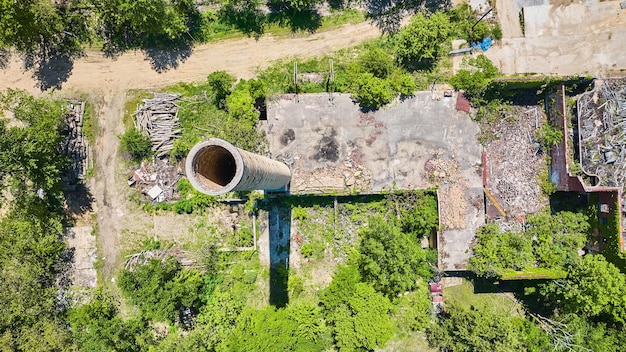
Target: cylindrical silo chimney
{"type": "Point", "coordinates": [217, 167]}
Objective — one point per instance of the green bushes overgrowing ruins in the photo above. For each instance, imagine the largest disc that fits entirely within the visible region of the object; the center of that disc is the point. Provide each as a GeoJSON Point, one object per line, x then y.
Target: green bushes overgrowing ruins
{"type": "Point", "coordinates": [548, 241]}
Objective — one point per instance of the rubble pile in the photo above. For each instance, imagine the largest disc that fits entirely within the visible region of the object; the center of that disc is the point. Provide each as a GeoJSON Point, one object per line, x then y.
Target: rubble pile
{"type": "Point", "coordinates": [157, 180]}
{"type": "Point", "coordinates": [514, 159]}
{"type": "Point", "coordinates": [602, 128]}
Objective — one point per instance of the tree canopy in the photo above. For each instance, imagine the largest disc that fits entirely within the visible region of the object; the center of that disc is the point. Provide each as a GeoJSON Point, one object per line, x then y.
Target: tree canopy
{"type": "Point", "coordinates": [163, 290]}
{"type": "Point", "coordinates": [392, 261]}
{"type": "Point", "coordinates": [29, 157]}
{"type": "Point", "coordinates": [593, 288]}
{"type": "Point", "coordinates": [549, 241]}
{"type": "Point", "coordinates": [357, 314]}
{"type": "Point", "coordinates": [420, 42]}
{"type": "Point", "coordinates": [479, 330]}
{"type": "Point", "coordinates": [474, 81]}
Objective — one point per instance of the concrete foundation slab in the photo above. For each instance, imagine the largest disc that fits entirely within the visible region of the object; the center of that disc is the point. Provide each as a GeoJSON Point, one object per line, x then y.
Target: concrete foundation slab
{"type": "Point", "coordinates": [332, 146]}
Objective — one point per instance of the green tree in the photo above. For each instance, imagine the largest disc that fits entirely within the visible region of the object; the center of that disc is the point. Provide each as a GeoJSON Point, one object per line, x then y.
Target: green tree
{"type": "Point", "coordinates": [412, 311]}
{"type": "Point", "coordinates": [403, 83]}
{"type": "Point", "coordinates": [593, 288]}
{"type": "Point", "coordinates": [482, 330]}
{"type": "Point", "coordinates": [422, 218]}
{"type": "Point", "coordinates": [46, 336]}
{"type": "Point", "coordinates": [126, 23]}
{"type": "Point", "coordinates": [240, 105]}
{"type": "Point", "coordinates": [419, 43]}
{"type": "Point", "coordinates": [29, 157]}
{"type": "Point", "coordinates": [298, 327]}
{"type": "Point", "coordinates": [495, 251]}
{"type": "Point", "coordinates": [377, 62]}
{"type": "Point", "coordinates": [96, 326]}
{"type": "Point", "coordinates": [218, 318]}
{"type": "Point", "coordinates": [372, 91]}
{"type": "Point", "coordinates": [135, 144]}
{"type": "Point", "coordinates": [392, 261]}
{"type": "Point", "coordinates": [357, 314]}
{"type": "Point", "coordinates": [40, 26]}
{"type": "Point", "coordinates": [222, 84]}
{"type": "Point", "coordinates": [163, 290]}
{"type": "Point", "coordinates": [476, 80]}
{"type": "Point", "coordinates": [580, 333]}
{"type": "Point", "coordinates": [557, 237]}
{"type": "Point", "coordinates": [30, 238]}
{"type": "Point", "coordinates": [245, 15]}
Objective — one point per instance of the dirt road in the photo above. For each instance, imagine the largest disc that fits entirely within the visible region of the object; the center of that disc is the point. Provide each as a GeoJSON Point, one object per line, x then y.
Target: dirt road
{"type": "Point", "coordinates": [106, 81]}
{"type": "Point", "coordinates": [240, 57]}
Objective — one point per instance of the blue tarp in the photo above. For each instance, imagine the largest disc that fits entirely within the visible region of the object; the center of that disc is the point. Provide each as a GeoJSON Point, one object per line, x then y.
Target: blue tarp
{"type": "Point", "coordinates": [484, 45]}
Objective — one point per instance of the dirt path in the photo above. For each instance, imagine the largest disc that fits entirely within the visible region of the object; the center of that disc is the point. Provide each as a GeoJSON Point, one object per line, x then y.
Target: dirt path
{"type": "Point", "coordinates": [508, 15]}
{"type": "Point", "coordinates": [107, 81]}
{"type": "Point", "coordinates": [240, 57]}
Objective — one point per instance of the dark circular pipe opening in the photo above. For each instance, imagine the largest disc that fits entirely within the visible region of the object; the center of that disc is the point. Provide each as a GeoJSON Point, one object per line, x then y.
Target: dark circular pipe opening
{"type": "Point", "coordinates": [215, 167]}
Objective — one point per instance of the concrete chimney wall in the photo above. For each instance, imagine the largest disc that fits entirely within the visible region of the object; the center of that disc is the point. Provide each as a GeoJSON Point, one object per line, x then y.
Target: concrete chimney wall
{"type": "Point", "coordinates": [216, 167]}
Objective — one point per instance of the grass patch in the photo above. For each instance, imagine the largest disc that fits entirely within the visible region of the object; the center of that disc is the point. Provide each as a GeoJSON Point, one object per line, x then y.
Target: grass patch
{"type": "Point", "coordinates": [464, 295]}
{"type": "Point", "coordinates": [133, 100]}
{"type": "Point", "coordinates": [533, 273]}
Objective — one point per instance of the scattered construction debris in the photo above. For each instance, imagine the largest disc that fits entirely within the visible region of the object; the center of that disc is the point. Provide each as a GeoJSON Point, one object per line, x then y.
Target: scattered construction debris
{"type": "Point", "coordinates": [350, 174]}
{"type": "Point", "coordinates": [189, 259]}
{"type": "Point", "coordinates": [74, 144]}
{"type": "Point", "coordinates": [513, 161]}
{"type": "Point", "coordinates": [602, 131]}
{"type": "Point", "coordinates": [157, 179]}
{"type": "Point", "coordinates": [158, 118]}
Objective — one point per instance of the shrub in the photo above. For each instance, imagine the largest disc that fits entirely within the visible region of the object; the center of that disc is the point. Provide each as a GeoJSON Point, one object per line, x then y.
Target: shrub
{"type": "Point", "coordinates": [135, 144]}
{"type": "Point", "coordinates": [372, 91]}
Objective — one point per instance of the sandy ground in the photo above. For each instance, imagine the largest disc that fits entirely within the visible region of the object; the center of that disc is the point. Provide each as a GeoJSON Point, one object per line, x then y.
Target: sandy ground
{"type": "Point", "coordinates": [106, 81]}
{"type": "Point", "coordinates": [241, 57]}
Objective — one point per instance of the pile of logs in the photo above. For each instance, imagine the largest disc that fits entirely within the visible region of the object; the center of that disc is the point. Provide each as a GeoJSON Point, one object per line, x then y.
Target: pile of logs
{"type": "Point", "coordinates": [74, 144]}
{"type": "Point", "coordinates": [158, 118]}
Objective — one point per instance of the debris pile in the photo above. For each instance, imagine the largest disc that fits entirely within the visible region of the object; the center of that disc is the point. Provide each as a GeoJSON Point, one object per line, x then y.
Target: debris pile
{"type": "Point", "coordinates": [439, 169]}
{"type": "Point", "coordinates": [187, 259]}
{"type": "Point", "coordinates": [453, 205]}
{"type": "Point", "coordinates": [602, 128]}
{"type": "Point", "coordinates": [350, 174]}
{"type": "Point", "coordinates": [158, 118]}
{"type": "Point", "coordinates": [157, 180]}
{"type": "Point", "coordinates": [514, 159]}
{"type": "Point", "coordinates": [74, 144]}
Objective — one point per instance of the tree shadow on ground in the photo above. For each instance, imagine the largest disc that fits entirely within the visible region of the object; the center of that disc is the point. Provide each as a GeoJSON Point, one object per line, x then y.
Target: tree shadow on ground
{"type": "Point", "coordinates": [78, 201]}
{"type": "Point", "coordinates": [51, 68]}
{"type": "Point", "coordinates": [247, 18]}
{"type": "Point", "coordinates": [308, 19]}
{"type": "Point", "coordinates": [526, 292]}
{"type": "Point", "coordinates": [387, 15]}
{"type": "Point", "coordinates": [169, 56]}
{"type": "Point", "coordinates": [5, 56]}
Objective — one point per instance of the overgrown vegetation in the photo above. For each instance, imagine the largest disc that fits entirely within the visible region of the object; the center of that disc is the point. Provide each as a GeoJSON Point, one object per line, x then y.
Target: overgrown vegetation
{"type": "Point", "coordinates": [135, 144]}
{"type": "Point", "coordinates": [548, 241]}
{"type": "Point", "coordinates": [31, 229]}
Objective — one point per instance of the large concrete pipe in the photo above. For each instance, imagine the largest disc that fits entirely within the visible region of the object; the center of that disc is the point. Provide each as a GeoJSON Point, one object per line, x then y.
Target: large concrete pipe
{"type": "Point", "coordinates": [217, 167]}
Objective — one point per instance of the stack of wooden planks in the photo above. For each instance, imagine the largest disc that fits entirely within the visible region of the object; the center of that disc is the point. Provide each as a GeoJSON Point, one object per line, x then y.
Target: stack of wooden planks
{"type": "Point", "coordinates": [158, 118]}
